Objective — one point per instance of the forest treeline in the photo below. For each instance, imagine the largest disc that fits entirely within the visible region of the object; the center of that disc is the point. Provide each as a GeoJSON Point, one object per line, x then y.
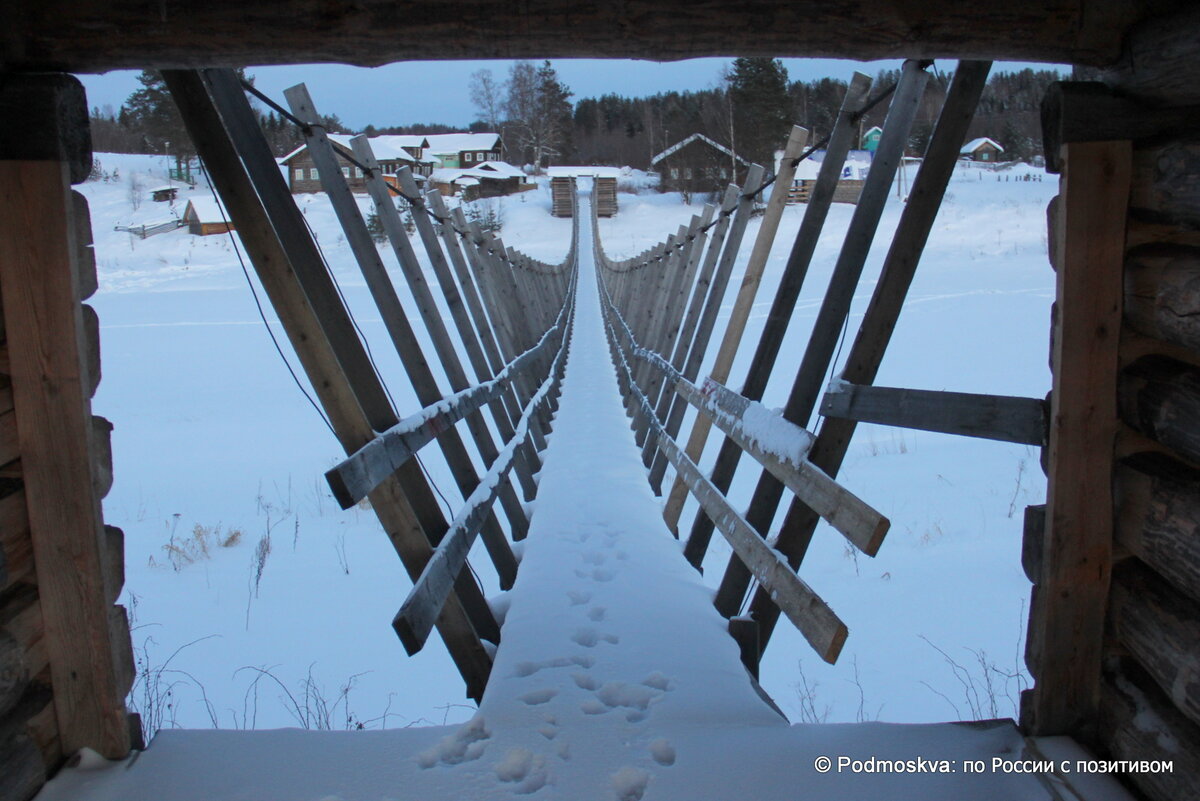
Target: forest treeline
{"type": "Point", "coordinates": [750, 108]}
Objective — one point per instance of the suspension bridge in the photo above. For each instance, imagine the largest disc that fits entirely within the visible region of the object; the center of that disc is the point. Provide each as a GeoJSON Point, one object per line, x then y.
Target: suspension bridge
{"type": "Point", "coordinates": [610, 671]}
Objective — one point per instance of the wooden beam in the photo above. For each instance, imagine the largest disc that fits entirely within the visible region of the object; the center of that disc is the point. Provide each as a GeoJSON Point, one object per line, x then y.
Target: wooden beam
{"type": "Point", "coordinates": [43, 318]}
{"type": "Point", "coordinates": [998, 417]}
{"type": "Point", "coordinates": [1160, 60]}
{"type": "Point", "coordinates": [1158, 517]}
{"type": "Point", "coordinates": [834, 311]}
{"type": "Point", "coordinates": [404, 504]}
{"type": "Point", "coordinates": [92, 35]}
{"type": "Point", "coordinates": [1066, 625]}
{"type": "Point", "coordinates": [1160, 397]}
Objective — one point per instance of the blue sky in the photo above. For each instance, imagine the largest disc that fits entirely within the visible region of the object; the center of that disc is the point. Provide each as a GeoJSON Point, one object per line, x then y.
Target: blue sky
{"type": "Point", "coordinates": [436, 91]}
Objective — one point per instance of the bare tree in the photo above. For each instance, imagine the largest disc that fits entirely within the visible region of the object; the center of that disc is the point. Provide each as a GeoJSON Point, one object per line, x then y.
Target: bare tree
{"type": "Point", "coordinates": [486, 94]}
{"type": "Point", "coordinates": [538, 111]}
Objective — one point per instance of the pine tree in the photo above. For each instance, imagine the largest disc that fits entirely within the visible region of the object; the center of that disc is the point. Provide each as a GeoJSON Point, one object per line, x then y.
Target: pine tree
{"type": "Point", "coordinates": [761, 108]}
{"type": "Point", "coordinates": [152, 111]}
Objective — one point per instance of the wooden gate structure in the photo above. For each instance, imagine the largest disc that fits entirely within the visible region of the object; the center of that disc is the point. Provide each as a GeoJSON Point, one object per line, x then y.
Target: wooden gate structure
{"type": "Point", "coordinates": [1114, 555]}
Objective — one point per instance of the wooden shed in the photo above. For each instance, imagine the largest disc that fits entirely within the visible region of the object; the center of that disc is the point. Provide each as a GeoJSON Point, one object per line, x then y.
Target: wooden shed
{"type": "Point", "coordinates": [562, 190]}
{"type": "Point", "coordinates": [164, 194]}
{"type": "Point", "coordinates": [604, 186]}
{"type": "Point", "coordinates": [205, 217]}
{"type": "Point", "coordinates": [982, 149]}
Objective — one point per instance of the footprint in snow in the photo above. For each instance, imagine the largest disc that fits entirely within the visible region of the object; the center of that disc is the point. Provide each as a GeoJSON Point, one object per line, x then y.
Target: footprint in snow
{"type": "Point", "coordinates": [578, 598]}
{"type": "Point", "coordinates": [594, 558]}
{"type": "Point", "coordinates": [601, 574]}
{"type": "Point", "coordinates": [539, 696]}
{"type": "Point", "coordinates": [662, 751]}
{"type": "Point", "coordinates": [629, 783]}
{"type": "Point", "coordinates": [584, 681]}
{"type": "Point", "coordinates": [597, 613]}
{"type": "Point", "coordinates": [586, 637]}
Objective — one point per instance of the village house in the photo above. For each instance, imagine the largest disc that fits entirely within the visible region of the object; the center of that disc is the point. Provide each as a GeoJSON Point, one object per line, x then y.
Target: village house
{"type": "Point", "coordinates": [982, 149]}
{"type": "Point", "coordinates": [850, 182]}
{"type": "Point", "coordinates": [465, 150]}
{"type": "Point", "coordinates": [489, 179]}
{"type": "Point", "coordinates": [205, 217]}
{"type": "Point", "coordinates": [164, 194]}
{"type": "Point", "coordinates": [698, 165]}
{"type": "Point", "coordinates": [391, 151]}
{"type": "Point", "coordinates": [870, 138]}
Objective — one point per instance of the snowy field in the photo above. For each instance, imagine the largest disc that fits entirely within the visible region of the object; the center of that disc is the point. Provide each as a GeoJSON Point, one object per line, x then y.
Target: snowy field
{"type": "Point", "coordinates": [258, 603]}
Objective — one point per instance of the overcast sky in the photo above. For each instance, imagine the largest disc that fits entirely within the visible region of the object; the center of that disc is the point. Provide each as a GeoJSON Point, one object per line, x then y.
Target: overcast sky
{"type": "Point", "coordinates": [436, 91]}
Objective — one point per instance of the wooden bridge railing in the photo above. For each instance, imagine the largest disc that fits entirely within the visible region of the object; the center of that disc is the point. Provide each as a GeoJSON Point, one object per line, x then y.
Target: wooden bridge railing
{"type": "Point", "coordinates": [508, 315]}
{"type": "Point", "coordinates": [660, 348]}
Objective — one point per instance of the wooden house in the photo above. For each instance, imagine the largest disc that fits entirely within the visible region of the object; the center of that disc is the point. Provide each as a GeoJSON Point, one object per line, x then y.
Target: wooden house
{"type": "Point", "coordinates": [982, 149]}
{"type": "Point", "coordinates": [392, 153]}
{"type": "Point", "coordinates": [870, 138]}
{"type": "Point", "coordinates": [164, 194]}
{"type": "Point", "coordinates": [205, 217]}
{"type": "Point", "coordinates": [465, 150]}
{"type": "Point", "coordinates": [1112, 556]}
{"type": "Point", "coordinates": [850, 183]}
{"type": "Point", "coordinates": [698, 165]}
{"type": "Point", "coordinates": [490, 179]}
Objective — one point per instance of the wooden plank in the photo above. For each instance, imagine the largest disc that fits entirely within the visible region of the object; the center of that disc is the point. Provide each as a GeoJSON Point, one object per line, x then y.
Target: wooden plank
{"type": "Point", "coordinates": [1158, 517]}
{"type": "Point", "coordinates": [78, 36]}
{"type": "Point", "coordinates": [1136, 719]}
{"type": "Point", "coordinates": [1160, 59]}
{"type": "Point", "coordinates": [1162, 293]}
{"type": "Point", "coordinates": [39, 284]}
{"type": "Point", "coordinates": [743, 303]}
{"type": "Point", "coordinates": [1160, 397]}
{"type": "Point", "coordinates": [1160, 627]}
{"type": "Point", "coordinates": [833, 314]}
{"type": "Point", "coordinates": [841, 139]}
{"type": "Point", "coordinates": [999, 417]}
{"type": "Point", "coordinates": [415, 618]}
{"type": "Point", "coordinates": [410, 516]}
{"type": "Point", "coordinates": [879, 321]}
{"type": "Point", "coordinates": [708, 319]}
{"type": "Point", "coordinates": [1067, 626]}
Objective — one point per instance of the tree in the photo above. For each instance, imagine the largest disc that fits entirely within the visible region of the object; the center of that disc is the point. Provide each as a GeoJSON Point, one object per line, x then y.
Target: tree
{"type": "Point", "coordinates": [487, 97]}
{"type": "Point", "coordinates": [152, 111]}
{"type": "Point", "coordinates": [761, 107]}
{"type": "Point", "coordinates": [539, 112]}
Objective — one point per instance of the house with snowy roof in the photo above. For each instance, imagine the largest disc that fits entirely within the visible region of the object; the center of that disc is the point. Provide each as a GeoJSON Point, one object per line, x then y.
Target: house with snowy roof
{"type": "Point", "coordinates": [697, 164]}
{"type": "Point", "coordinates": [465, 150]}
{"type": "Point", "coordinates": [392, 151]}
{"type": "Point", "coordinates": [982, 149]}
{"type": "Point", "coordinates": [203, 216]}
{"type": "Point", "coordinates": [852, 177]}
{"type": "Point", "coordinates": [489, 179]}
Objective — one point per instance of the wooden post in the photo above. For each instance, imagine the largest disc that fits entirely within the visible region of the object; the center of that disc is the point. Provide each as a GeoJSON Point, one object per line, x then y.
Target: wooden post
{"type": "Point", "coordinates": [1067, 621]}
{"type": "Point", "coordinates": [262, 210]}
{"type": "Point", "coordinates": [841, 139]}
{"type": "Point", "coordinates": [394, 319]}
{"type": "Point", "coordinates": [50, 389]}
{"type": "Point", "coordinates": [879, 321]}
{"type": "Point", "coordinates": [744, 303]}
{"type": "Point", "coordinates": [708, 318]}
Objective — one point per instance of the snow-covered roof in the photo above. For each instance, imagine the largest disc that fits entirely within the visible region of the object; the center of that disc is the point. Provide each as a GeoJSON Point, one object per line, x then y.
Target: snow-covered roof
{"type": "Point", "coordinates": [576, 172]}
{"type": "Point", "coordinates": [164, 188]}
{"type": "Point", "coordinates": [453, 175]}
{"type": "Point", "coordinates": [684, 142]}
{"type": "Point", "coordinates": [205, 210]}
{"type": "Point", "coordinates": [385, 148]}
{"type": "Point", "coordinates": [858, 162]}
{"type": "Point", "coordinates": [974, 144]}
{"type": "Point", "coordinates": [458, 142]}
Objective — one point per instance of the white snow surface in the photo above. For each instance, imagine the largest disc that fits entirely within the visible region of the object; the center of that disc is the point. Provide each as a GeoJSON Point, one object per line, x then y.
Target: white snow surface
{"type": "Point", "coordinates": [615, 678]}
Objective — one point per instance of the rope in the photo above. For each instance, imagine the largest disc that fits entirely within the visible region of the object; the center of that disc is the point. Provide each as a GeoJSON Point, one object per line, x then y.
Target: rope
{"type": "Point", "coordinates": [262, 314]}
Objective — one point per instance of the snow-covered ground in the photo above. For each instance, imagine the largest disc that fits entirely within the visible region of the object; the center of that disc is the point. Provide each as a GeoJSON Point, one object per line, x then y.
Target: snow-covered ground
{"type": "Point", "coordinates": [212, 436]}
{"type": "Point", "coordinates": [615, 680]}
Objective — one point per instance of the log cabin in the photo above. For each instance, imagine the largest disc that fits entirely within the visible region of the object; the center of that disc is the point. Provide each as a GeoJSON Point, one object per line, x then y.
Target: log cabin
{"type": "Point", "coordinates": [1113, 555]}
{"type": "Point", "coordinates": [696, 165]}
{"type": "Point", "coordinates": [982, 149]}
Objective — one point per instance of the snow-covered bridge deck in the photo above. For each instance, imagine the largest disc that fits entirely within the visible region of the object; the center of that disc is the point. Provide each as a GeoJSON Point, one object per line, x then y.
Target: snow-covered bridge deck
{"type": "Point", "coordinates": [615, 679]}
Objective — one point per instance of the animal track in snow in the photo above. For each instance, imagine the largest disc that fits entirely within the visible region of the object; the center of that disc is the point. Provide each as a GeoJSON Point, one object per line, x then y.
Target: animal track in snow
{"type": "Point", "coordinates": [539, 696]}
{"type": "Point", "coordinates": [587, 637]}
{"type": "Point", "coordinates": [657, 681]}
{"type": "Point", "coordinates": [548, 731]}
{"type": "Point", "coordinates": [585, 682]}
{"type": "Point", "coordinates": [594, 558]}
{"type": "Point", "coordinates": [578, 598]}
{"type": "Point", "coordinates": [584, 661]}
{"type": "Point", "coordinates": [635, 716]}
{"type": "Point", "coordinates": [602, 574]}
{"type": "Point", "coordinates": [618, 693]}
{"type": "Point", "coordinates": [662, 751]}
{"type": "Point", "coordinates": [594, 707]}
{"type": "Point", "coordinates": [524, 768]}
{"type": "Point", "coordinates": [596, 614]}
{"type": "Point", "coordinates": [611, 638]}
{"type": "Point", "coordinates": [524, 669]}
{"type": "Point", "coordinates": [464, 745]}
{"type": "Point", "coordinates": [629, 783]}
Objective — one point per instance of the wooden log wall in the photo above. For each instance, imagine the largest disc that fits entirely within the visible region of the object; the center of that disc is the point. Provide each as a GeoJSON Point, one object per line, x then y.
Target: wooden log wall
{"type": "Point", "coordinates": [66, 662]}
{"type": "Point", "coordinates": [1128, 578]}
